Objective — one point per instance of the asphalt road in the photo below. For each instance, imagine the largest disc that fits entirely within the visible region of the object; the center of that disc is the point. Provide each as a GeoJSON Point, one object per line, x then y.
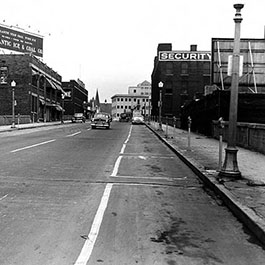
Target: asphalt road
{"type": "Point", "coordinates": [72, 195]}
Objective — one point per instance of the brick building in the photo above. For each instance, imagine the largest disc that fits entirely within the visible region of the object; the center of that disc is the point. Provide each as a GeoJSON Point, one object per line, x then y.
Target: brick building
{"type": "Point", "coordinates": [184, 75]}
{"type": "Point", "coordinates": [76, 98]}
{"type": "Point", "coordinates": [38, 90]}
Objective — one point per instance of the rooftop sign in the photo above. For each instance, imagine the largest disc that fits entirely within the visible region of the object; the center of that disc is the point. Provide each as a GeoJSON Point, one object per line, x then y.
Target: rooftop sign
{"type": "Point", "coordinates": [19, 41]}
{"type": "Point", "coordinates": [184, 56]}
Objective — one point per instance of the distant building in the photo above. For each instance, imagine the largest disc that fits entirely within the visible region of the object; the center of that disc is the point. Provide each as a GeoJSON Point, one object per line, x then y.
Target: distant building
{"type": "Point", "coordinates": [143, 89]}
{"type": "Point", "coordinates": [184, 75]}
{"type": "Point", "coordinates": [75, 99]}
{"type": "Point", "coordinates": [38, 90]}
{"type": "Point", "coordinates": [138, 98]}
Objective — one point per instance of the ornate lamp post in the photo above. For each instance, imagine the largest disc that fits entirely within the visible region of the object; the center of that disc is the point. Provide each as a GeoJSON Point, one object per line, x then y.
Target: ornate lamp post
{"type": "Point", "coordinates": [160, 85]}
{"type": "Point", "coordinates": [13, 84]}
{"type": "Point", "coordinates": [230, 167]}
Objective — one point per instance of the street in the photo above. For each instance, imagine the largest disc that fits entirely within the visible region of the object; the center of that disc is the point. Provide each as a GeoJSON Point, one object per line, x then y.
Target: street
{"type": "Point", "coordinates": [72, 195]}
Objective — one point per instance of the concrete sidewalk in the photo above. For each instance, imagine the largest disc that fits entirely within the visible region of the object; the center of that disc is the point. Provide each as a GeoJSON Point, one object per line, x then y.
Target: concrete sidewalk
{"type": "Point", "coordinates": [244, 197]}
{"type": "Point", "coordinates": [8, 128]}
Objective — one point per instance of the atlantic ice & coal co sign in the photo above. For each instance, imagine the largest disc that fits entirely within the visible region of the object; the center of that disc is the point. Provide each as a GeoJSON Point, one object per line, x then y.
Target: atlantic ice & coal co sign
{"type": "Point", "coordinates": [14, 40]}
{"type": "Point", "coordinates": [184, 56]}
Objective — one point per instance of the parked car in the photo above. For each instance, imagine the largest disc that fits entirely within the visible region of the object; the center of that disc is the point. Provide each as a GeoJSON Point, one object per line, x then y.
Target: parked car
{"type": "Point", "coordinates": [78, 117]}
{"type": "Point", "coordinates": [138, 120]}
{"type": "Point", "coordinates": [101, 120]}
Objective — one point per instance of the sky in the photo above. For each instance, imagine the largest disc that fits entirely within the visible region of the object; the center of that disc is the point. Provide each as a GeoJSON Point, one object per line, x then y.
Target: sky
{"type": "Point", "coordinates": [111, 44]}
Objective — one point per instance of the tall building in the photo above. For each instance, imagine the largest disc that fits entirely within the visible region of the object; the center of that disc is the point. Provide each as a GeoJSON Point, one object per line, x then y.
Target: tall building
{"type": "Point", "coordinates": [183, 74]}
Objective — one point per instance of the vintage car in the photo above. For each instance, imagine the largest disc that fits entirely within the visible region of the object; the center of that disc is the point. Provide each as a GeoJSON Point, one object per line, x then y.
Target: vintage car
{"type": "Point", "coordinates": [78, 117]}
{"type": "Point", "coordinates": [124, 117]}
{"type": "Point", "coordinates": [101, 120]}
{"type": "Point", "coordinates": [138, 120]}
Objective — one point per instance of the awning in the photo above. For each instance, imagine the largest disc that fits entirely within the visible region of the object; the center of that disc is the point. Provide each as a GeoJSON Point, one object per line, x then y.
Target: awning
{"type": "Point", "coordinates": [51, 83]}
{"type": "Point", "coordinates": [59, 108]}
{"type": "Point", "coordinates": [50, 104]}
{"type": "Point", "coordinates": [42, 101]}
{"type": "Point", "coordinates": [58, 87]}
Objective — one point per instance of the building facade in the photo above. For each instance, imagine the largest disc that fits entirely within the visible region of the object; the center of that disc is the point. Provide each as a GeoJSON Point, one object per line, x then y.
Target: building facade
{"type": "Point", "coordinates": [252, 64]}
{"type": "Point", "coordinates": [183, 74]}
{"type": "Point", "coordinates": [75, 99]}
{"type": "Point", "coordinates": [38, 91]}
{"type": "Point", "coordinates": [137, 99]}
{"type": "Point", "coordinates": [143, 89]}
{"type": "Point", "coordinates": [126, 103]}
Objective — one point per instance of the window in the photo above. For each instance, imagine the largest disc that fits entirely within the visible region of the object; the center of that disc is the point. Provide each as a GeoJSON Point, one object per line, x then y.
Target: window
{"type": "Point", "coordinates": [121, 99]}
{"type": "Point", "coordinates": [184, 68]}
{"type": "Point", "coordinates": [206, 68]}
{"type": "Point", "coordinates": [134, 91]}
{"type": "Point", "coordinates": [169, 68]}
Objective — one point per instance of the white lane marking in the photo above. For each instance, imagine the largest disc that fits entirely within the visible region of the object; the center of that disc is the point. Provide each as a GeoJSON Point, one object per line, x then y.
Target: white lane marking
{"type": "Point", "coordinates": [31, 146]}
{"type": "Point", "coordinates": [150, 178]}
{"type": "Point", "coordinates": [3, 197]}
{"type": "Point", "coordinates": [89, 129]}
{"type": "Point", "coordinates": [123, 148]}
{"type": "Point", "coordinates": [89, 243]}
{"type": "Point", "coordinates": [73, 134]}
{"type": "Point", "coordinates": [128, 136]}
{"type": "Point", "coordinates": [116, 167]}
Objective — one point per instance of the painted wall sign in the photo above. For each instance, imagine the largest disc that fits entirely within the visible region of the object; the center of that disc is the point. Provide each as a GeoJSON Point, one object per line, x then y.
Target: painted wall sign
{"type": "Point", "coordinates": [184, 56]}
{"type": "Point", "coordinates": [14, 40]}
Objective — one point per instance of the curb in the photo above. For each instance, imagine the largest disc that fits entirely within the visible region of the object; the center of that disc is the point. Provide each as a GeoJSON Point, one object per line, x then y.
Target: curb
{"type": "Point", "coordinates": [243, 213]}
{"type": "Point", "coordinates": [31, 127]}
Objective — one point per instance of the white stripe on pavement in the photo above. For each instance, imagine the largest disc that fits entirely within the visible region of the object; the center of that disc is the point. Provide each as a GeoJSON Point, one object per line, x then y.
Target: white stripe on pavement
{"type": "Point", "coordinates": [73, 134]}
{"type": "Point", "coordinates": [31, 146]}
{"type": "Point", "coordinates": [92, 237]}
{"type": "Point", "coordinates": [90, 241]}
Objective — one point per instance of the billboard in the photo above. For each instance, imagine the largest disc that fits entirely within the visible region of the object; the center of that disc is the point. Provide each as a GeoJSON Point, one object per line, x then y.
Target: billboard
{"type": "Point", "coordinates": [19, 41]}
{"type": "Point", "coordinates": [184, 56]}
{"type": "Point", "coordinates": [252, 63]}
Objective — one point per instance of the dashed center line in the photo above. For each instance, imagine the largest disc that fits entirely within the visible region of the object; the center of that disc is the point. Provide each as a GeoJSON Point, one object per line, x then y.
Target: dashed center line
{"type": "Point", "coordinates": [73, 134]}
{"type": "Point", "coordinates": [92, 237]}
{"type": "Point", "coordinates": [31, 146]}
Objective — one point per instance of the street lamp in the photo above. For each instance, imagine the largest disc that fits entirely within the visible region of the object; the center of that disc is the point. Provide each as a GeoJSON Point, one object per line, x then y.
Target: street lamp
{"type": "Point", "coordinates": [13, 84]}
{"type": "Point", "coordinates": [230, 167]}
{"type": "Point", "coordinates": [63, 96]}
{"type": "Point", "coordinates": [160, 85]}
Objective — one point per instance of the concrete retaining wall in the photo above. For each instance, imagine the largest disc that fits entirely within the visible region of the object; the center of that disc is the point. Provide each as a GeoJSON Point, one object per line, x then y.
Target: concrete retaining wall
{"type": "Point", "coordinates": [249, 135]}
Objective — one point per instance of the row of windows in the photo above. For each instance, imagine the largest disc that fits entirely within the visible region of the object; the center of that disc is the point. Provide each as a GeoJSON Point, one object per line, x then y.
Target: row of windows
{"type": "Point", "coordinates": [125, 107]}
{"type": "Point", "coordinates": [130, 99]}
{"type": "Point", "coordinates": [185, 68]}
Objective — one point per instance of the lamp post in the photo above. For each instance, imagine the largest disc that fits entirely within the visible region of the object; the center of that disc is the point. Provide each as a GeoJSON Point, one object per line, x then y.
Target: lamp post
{"type": "Point", "coordinates": [13, 84]}
{"type": "Point", "coordinates": [160, 85]}
{"type": "Point", "coordinates": [63, 96]}
{"type": "Point", "coordinates": [230, 167]}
